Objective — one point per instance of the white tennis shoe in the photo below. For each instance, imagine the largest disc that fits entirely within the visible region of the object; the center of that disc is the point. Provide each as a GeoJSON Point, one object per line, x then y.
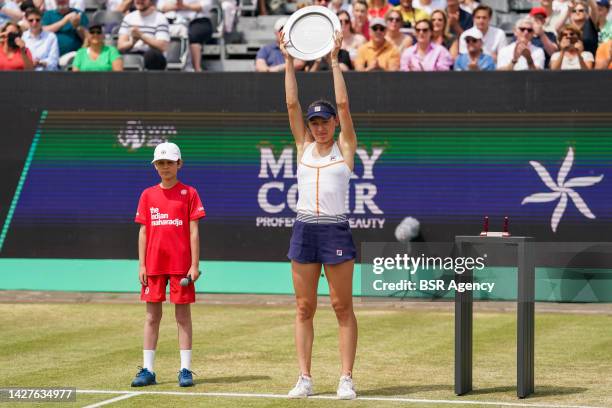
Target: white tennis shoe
{"type": "Point", "coordinates": [303, 388]}
{"type": "Point", "coordinates": [346, 388]}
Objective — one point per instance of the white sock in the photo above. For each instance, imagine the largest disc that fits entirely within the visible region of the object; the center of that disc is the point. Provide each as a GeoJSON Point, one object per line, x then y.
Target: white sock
{"type": "Point", "coordinates": [186, 359]}
{"type": "Point", "coordinates": [148, 357]}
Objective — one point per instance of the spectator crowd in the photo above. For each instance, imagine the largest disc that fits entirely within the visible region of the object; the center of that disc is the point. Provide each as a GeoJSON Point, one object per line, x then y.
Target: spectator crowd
{"type": "Point", "coordinates": [378, 35]}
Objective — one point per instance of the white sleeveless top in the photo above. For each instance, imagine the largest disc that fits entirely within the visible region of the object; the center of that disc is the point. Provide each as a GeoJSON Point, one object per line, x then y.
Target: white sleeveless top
{"type": "Point", "coordinates": [323, 183]}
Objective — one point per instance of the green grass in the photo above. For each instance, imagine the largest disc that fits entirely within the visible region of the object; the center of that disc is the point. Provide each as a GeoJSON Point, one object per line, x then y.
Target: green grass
{"type": "Point", "coordinates": [249, 349]}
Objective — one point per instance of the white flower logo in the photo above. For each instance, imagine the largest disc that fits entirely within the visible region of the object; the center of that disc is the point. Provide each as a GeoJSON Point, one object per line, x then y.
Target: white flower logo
{"type": "Point", "coordinates": [562, 189]}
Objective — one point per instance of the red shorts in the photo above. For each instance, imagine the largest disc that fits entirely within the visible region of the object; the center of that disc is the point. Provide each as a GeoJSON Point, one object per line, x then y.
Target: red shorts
{"type": "Point", "coordinates": [155, 291]}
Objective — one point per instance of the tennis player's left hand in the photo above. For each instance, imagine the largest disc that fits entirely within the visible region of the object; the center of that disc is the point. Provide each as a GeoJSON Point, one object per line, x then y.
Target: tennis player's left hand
{"type": "Point", "coordinates": [337, 46]}
{"type": "Point", "coordinates": [194, 273]}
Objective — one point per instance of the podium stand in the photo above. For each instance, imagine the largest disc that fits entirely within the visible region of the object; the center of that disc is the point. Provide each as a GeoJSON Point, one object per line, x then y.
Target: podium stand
{"type": "Point", "coordinates": [525, 314]}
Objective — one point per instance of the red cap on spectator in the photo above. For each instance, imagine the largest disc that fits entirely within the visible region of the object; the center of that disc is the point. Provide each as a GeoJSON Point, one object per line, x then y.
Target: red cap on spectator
{"type": "Point", "coordinates": [538, 10]}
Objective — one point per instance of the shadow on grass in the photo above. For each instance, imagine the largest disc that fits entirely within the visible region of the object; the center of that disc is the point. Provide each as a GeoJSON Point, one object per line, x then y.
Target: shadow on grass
{"type": "Point", "coordinates": [231, 380]}
{"type": "Point", "coordinates": [540, 390]}
{"type": "Point", "coordinates": [403, 390]}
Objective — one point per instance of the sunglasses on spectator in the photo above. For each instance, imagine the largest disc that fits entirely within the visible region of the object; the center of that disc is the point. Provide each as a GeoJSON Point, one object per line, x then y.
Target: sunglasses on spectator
{"type": "Point", "coordinates": [421, 30]}
{"type": "Point", "coordinates": [31, 20]}
{"type": "Point", "coordinates": [471, 40]}
{"type": "Point", "coordinates": [378, 28]}
{"type": "Point", "coordinates": [526, 29]}
{"type": "Point", "coordinates": [396, 19]}
{"type": "Point", "coordinates": [344, 21]}
{"type": "Point", "coordinates": [568, 34]}
{"type": "Point", "coordinates": [578, 10]}
{"type": "Point", "coordinates": [95, 31]}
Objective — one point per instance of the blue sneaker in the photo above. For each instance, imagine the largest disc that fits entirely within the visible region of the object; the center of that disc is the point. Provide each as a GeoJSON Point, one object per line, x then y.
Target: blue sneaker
{"type": "Point", "coordinates": [144, 378]}
{"type": "Point", "coordinates": [185, 378]}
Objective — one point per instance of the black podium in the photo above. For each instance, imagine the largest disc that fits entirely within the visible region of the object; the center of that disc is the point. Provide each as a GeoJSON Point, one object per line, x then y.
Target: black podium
{"type": "Point", "coordinates": [525, 314]}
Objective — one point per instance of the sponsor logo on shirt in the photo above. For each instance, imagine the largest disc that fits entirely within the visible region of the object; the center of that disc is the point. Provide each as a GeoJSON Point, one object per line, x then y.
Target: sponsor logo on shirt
{"type": "Point", "coordinates": [339, 252]}
{"type": "Point", "coordinates": [183, 192]}
{"type": "Point", "coordinates": [158, 219]}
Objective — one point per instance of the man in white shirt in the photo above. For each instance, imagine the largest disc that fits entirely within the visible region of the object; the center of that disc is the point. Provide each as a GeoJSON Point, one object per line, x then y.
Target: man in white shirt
{"type": "Point", "coordinates": [145, 31]}
{"type": "Point", "coordinates": [522, 54]}
{"type": "Point", "coordinates": [42, 44]}
{"type": "Point", "coordinates": [494, 39]}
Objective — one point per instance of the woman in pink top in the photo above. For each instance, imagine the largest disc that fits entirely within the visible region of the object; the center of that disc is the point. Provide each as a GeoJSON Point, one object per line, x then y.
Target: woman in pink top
{"type": "Point", "coordinates": [425, 55]}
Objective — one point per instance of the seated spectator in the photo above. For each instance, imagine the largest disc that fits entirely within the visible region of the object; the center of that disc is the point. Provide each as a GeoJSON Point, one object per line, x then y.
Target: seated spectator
{"type": "Point", "coordinates": [361, 24]}
{"type": "Point", "coordinates": [469, 5]}
{"type": "Point", "coordinates": [378, 53]}
{"type": "Point", "coordinates": [351, 41]}
{"type": "Point", "coordinates": [378, 8]}
{"type": "Point", "coordinates": [145, 31]}
{"type": "Point", "coordinates": [194, 17]}
{"type": "Point", "coordinates": [493, 38]}
{"type": "Point", "coordinates": [270, 57]}
{"type": "Point", "coordinates": [603, 10]}
{"type": "Point", "coordinates": [542, 38]}
{"type": "Point", "coordinates": [475, 59]}
{"type": "Point", "coordinates": [583, 18]}
{"type": "Point", "coordinates": [410, 15]}
{"type": "Point", "coordinates": [42, 44]}
{"type": "Point", "coordinates": [605, 23]}
{"type": "Point", "coordinates": [394, 35]}
{"type": "Point", "coordinates": [97, 56]}
{"type": "Point", "coordinates": [441, 34]}
{"type": "Point", "coordinates": [68, 24]}
{"type": "Point", "coordinates": [603, 59]}
{"type": "Point", "coordinates": [521, 54]}
{"type": "Point", "coordinates": [14, 55]}
{"type": "Point", "coordinates": [459, 20]}
{"type": "Point", "coordinates": [9, 11]}
{"type": "Point", "coordinates": [425, 55]}
{"type": "Point", "coordinates": [52, 4]}
{"type": "Point", "coordinates": [429, 6]}
{"type": "Point", "coordinates": [571, 54]}
{"type": "Point", "coordinates": [322, 64]}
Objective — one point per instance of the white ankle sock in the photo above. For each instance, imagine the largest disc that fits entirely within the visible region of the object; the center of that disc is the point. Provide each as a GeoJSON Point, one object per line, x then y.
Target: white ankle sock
{"type": "Point", "coordinates": [148, 357]}
{"type": "Point", "coordinates": [186, 359]}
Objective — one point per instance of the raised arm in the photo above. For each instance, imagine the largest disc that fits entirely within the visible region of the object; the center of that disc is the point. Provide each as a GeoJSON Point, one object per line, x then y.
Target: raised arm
{"type": "Point", "coordinates": [347, 138]}
{"type": "Point", "coordinates": [296, 120]}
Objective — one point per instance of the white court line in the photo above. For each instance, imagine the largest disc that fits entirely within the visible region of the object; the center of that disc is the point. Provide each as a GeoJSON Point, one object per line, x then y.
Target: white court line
{"type": "Point", "coordinates": [110, 401]}
{"type": "Point", "coordinates": [331, 397]}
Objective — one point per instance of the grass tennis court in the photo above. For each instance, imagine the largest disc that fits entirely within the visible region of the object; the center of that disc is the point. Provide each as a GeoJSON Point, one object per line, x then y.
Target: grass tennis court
{"type": "Point", "coordinates": [248, 349]}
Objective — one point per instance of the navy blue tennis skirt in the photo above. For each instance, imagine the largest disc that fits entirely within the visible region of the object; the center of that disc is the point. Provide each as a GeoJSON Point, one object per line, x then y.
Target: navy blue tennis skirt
{"type": "Point", "coordinates": [326, 244]}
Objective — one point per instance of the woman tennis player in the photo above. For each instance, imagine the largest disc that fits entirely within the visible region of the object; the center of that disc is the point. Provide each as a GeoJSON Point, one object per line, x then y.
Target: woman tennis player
{"type": "Point", "coordinates": [321, 233]}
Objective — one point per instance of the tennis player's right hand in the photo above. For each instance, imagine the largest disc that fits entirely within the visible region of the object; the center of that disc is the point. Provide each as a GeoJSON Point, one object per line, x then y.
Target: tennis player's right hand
{"type": "Point", "coordinates": [283, 47]}
{"type": "Point", "coordinates": [142, 275]}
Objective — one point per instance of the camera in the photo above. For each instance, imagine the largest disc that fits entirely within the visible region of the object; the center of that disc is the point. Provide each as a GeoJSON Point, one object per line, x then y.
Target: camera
{"type": "Point", "coordinates": [10, 40]}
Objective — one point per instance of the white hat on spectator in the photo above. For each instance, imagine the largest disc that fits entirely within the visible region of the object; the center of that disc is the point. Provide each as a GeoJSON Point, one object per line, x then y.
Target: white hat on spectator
{"type": "Point", "coordinates": [378, 21]}
{"type": "Point", "coordinates": [280, 23]}
{"type": "Point", "coordinates": [166, 151]}
{"type": "Point", "coordinates": [473, 33]}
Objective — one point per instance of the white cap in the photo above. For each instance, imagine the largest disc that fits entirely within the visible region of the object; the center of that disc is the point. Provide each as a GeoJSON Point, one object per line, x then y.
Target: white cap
{"type": "Point", "coordinates": [166, 151]}
{"type": "Point", "coordinates": [280, 23]}
{"type": "Point", "coordinates": [474, 33]}
{"type": "Point", "coordinates": [378, 21]}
